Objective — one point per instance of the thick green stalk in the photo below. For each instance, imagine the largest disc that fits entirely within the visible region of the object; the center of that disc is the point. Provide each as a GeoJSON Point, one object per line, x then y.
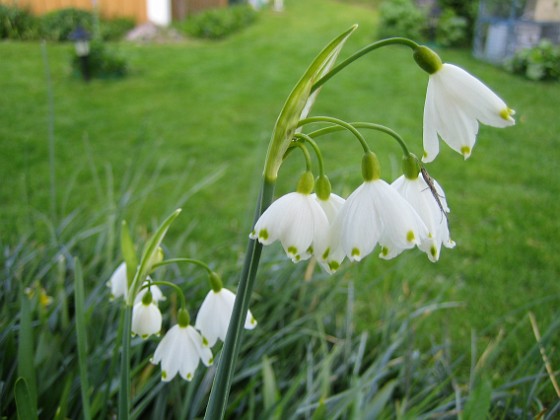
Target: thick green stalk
{"type": "Point", "coordinates": [124, 390]}
{"type": "Point", "coordinates": [218, 400]}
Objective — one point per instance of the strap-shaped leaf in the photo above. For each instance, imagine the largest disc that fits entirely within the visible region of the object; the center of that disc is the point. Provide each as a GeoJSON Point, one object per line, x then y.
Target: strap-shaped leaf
{"type": "Point", "coordinates": [299, 104]}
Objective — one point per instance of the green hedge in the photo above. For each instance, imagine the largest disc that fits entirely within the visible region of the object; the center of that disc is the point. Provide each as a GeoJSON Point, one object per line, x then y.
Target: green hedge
{"type": "Point", "coordinates": [541, 62]}
{"type": "Point", "coordinates": [218, 23]}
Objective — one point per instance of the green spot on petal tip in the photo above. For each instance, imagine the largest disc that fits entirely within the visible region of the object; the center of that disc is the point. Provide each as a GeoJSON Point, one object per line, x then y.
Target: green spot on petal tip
{"type": "Point", "coordinates": [410, 236]}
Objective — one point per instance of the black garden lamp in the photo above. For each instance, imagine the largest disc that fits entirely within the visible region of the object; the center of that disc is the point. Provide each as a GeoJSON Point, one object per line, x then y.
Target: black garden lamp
{"type": "Point", "coordinates": [81, 38]}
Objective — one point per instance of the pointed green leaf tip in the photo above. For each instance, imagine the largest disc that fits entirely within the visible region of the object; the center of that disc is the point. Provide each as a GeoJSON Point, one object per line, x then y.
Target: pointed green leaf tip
{"type": "Point", "coordinates": [300, 100]}
{"type": "Point", "coordinates": [427, 59]}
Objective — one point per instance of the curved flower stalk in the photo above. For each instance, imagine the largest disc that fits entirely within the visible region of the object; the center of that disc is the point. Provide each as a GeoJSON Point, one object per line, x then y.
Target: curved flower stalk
{"type": "Point", "coordinates": [456, 102]}
{"type": "Point", "coordinates": [181, 350]}
{"type": "Point", "coordinates": [214, 316]}
{"type": "Point", "coordinates": [418, 193]}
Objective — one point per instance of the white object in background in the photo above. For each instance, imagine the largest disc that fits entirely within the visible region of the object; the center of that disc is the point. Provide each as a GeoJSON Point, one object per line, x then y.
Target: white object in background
{"type": "Point", "coordinates": [159, 12]}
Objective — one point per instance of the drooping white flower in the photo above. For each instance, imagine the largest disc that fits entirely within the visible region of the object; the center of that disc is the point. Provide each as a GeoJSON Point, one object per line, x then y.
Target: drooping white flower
{"type": "Point", "coordinates": [331, 250]}
{"type": "Point", "coordinates": [180, 350]}
{"type": "Point", "coordinates": [118, 282]}
{"type": "Point", "coordinates": [146, 319]}
{"type": "Point", "coordinates": [297, 221]}
{"type": "Point", "coordinates": [376, 213]}
{"type": "Point", "coordinates": [215, 314]}
{"type": "Point", "coordinates": [418, 193]}
{"type": "Point", "coordinates": [456, 102]}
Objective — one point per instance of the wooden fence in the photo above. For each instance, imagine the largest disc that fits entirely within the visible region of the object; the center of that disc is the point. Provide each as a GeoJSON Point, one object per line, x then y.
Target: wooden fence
{"type": "Point", "coordinates": [135, 9]}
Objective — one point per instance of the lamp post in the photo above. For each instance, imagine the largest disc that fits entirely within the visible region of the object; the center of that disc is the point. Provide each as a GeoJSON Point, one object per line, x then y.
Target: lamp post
{"type": "Point", "coordinates": [81, 38]}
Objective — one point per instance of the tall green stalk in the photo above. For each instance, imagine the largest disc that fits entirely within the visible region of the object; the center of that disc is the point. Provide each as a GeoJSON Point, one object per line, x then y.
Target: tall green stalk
{"type": "Point", "coordinates": [124, 389]}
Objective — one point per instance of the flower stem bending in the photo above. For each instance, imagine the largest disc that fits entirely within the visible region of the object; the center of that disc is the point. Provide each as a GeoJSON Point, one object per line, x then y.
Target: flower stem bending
{"type": "Point", "coordinates": [342, 125]}
{"type": "Point", "coordinates": [389, 41]}
{"type": "Point", "coordinates": [315, 146]}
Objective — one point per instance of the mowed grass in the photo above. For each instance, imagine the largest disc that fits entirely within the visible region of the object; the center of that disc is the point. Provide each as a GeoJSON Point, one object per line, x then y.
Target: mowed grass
{"type": "Point", "coordinates": [195, 113]}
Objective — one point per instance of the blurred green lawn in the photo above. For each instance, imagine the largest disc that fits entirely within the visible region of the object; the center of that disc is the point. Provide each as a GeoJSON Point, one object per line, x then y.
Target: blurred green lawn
{"type": "Point", "coordinates": [194, 109]}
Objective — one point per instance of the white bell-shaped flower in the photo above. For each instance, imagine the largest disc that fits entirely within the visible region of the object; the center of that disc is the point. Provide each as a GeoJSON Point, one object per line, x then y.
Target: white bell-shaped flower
{"type": "Point", "coordinates": [456, 102]}
{"type": "Point", "coordinates": [297, 221]}
{"type": "Point", "coordinates": [146, 317]}
{"type": "Point", "coordinates": [376, 213]}
{"type": "Point", "coordinates": [180, 351]}
{"type": "Point", "coordinates": [118, 282]}
{"type": "Point", "coordinates": [215, 314]}
{"type": "Point", "coordinates": [330, 249]}
{"type": "Point", "coordinates": [431, 209]}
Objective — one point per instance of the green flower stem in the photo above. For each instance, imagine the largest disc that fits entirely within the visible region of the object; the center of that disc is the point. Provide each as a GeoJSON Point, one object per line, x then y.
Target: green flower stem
{"type": "Point", "coordinates": [172, 285]}
{"type": "Point", "coordinates": [341, 124]}
{"type": "Point", "coordinates": [124, 389]}
{"type": "Point", "coordinates": [315, 146]}
{"type": "Point", "coordinates": [370, 126]}
{"type": "Point", "coordinates": [184, 260]}
{"type": "Point", "coordinates": [218, 399]}
{"type": "Point", "coordinates": [307, 156]}
{"type": "Point", "coordinates": [371, 47]}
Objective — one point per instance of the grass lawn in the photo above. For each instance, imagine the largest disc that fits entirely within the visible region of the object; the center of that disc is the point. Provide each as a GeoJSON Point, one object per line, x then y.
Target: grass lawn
{"type": "Point", "coordinates": [190, 125]}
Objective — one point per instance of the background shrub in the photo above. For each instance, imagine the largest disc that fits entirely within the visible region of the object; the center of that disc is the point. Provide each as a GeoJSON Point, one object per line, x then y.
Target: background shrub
{"type": "Point", "coordinates": [219, 23]}
{"type": "Point", "coordinates": [541, 62]}
{"type": "Point", "coordinates": [401, 18]}
{"type": "Point", "coordinates": [115, 29]}
{"type": "Point", "coordinates": [16, 23]}
{"type": "Point", "coordinates": [452, 30]}
{"type": "Point", "coordinates": [57, 25]}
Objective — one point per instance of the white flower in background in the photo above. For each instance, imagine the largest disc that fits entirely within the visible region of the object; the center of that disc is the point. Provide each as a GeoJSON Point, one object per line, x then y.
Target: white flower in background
{"type": "Point", "coordinates": [418, 193]}
{"type": "Point", "coordinates": [376, 213]}
{"type": "Point", "coordinates": [180, 350]}
{"type": "Point", "coordinates": [455, 102]}
{"type": "Point", "coordinates": [118, 282]}
{"type": "Point", "coordinates": [146, 317]}
{"type": "Point", "coordinates": [297, 221]}
{"type": "Point", "coordinates": [215, 314]}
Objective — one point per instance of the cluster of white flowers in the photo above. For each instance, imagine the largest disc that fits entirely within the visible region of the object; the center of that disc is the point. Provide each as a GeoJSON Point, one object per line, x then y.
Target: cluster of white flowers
{"type": "Point", "coordinates": [183, 346]}
{"type": "Point", "coordinates": [412, 211]}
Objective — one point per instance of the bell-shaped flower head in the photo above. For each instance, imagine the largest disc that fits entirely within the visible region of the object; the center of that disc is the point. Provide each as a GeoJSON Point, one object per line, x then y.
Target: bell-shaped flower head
{"type": "Point", "coordinates": [432, 208]}
{"type": "Point", "coordinates": [375, 213]}
{"type": "Point", "coordinates": [214, 315]}
{"type": "Point", "coordinates": [456, 102]}
{"type": "Point", "coordinates": [146, 317]}
{"type": "Point", "coordinates": [118, 282]}
{"type": "Point", "coordinates": [296, 220]}
{"type": "Point", "coordinates": [181, 350]}
{"type": "Point", "coordinates": [331, 249]}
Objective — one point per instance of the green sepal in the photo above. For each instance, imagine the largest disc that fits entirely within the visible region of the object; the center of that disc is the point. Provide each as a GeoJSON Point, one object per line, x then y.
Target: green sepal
{"type": "Point", "coordinates": [306, 183]}
{"type": "Point", "coordinates": [183, 318]}
{"type": "Point", "coordinates": [150, 251]}
{"type": "Point", "coordinates": [427, 59]}
{"type": "Point", "coordinates": [298, 103]}
{"type": "Point", "coordinates": [370, 167]}
{"type": "Point", "coordinates": [323, 187]}
{"type": "Point", "coordinates": [215, 281]}
{"type": "Point", "coordinates": [128, 252]}
{"type": "Point", "coordinates": [410, 166]}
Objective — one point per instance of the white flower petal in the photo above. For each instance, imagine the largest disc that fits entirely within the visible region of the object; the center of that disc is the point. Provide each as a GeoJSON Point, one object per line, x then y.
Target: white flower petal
{"type": "Point", "coordinates": [119, 282]}
{"type": "Point", "coordinates": [455, 103]}
{"type": "Point", "coordinates": [146, 319]}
